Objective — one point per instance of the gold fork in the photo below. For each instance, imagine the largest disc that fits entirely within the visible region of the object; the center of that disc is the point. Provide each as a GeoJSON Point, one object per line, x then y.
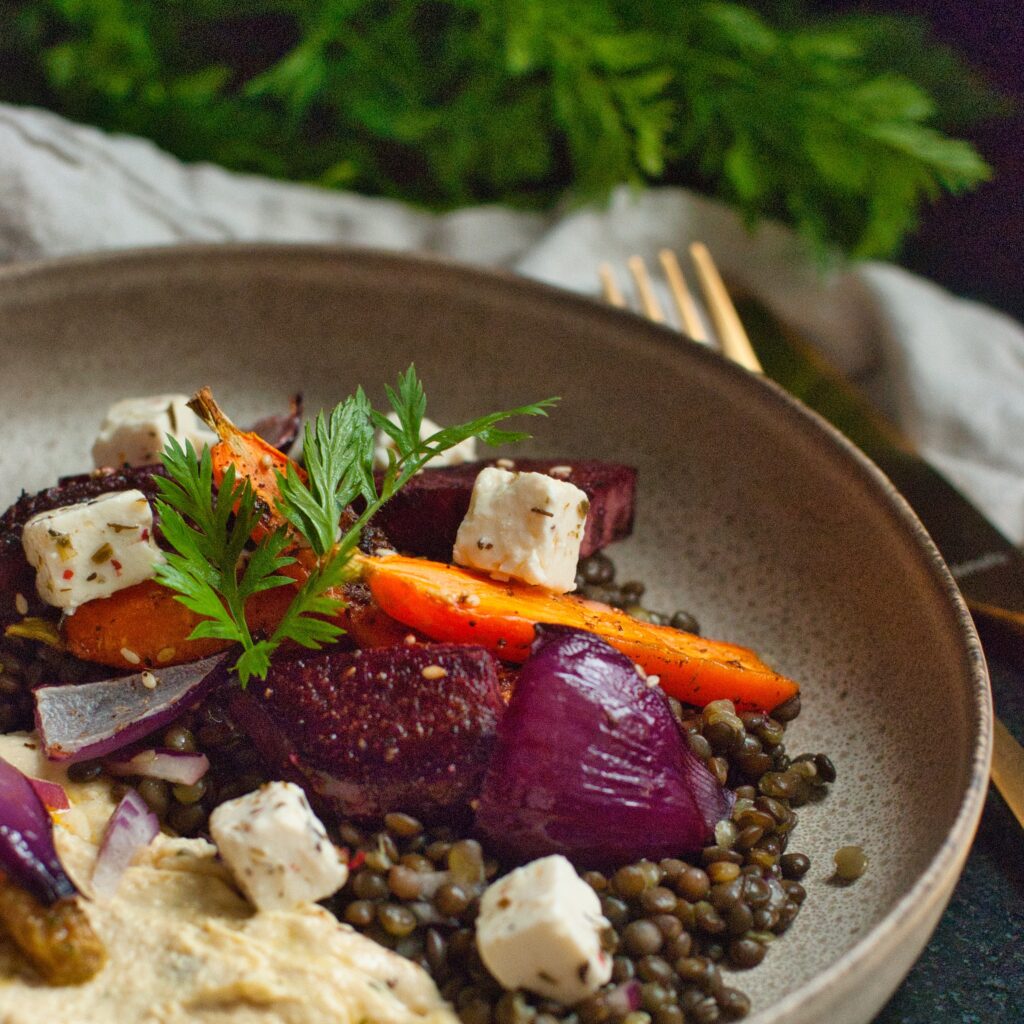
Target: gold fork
{"type": "Point", "coordinates": [731, 338]}
{"type": "Point", "coordinates": [733, 342]}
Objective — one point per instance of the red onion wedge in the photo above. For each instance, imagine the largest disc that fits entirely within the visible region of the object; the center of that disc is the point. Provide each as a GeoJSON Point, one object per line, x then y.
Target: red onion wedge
{"type": "Point", "coordinates": [86, 720]}
{"type": "Point", "coordinates": [51, 793]}
{"type": "Point", "coordinates": [624, 998]}
{"type": "Point", "coordinates": [590, 763]}
{"type": "Point", "coordinates": [170, 765]}
{"type": "Point", "coordinates": [131, 827]}
{"type": "Point", "coordinates": [27, 852]}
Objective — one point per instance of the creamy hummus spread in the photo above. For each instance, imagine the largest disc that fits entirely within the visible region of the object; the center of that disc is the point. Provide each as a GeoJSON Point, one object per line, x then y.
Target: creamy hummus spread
{"type": "Point", "coordinates": [184, 946]}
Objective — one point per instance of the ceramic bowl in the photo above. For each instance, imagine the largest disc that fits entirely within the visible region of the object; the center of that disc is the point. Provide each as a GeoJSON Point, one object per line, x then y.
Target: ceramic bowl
{"type": "Point", "coordinates": [752, 513]}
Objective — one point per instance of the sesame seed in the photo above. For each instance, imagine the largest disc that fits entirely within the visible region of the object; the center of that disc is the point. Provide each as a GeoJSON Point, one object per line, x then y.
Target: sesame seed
{"type": "Point", "coordinates": [165, 654]}
{"type": "Point", "coordinates": [130, 656]}
{"type": "Point", "coordinates": [350, 671]}
{"type": "Point", "coordinates": [20, 604]}
{"type": "Point", "coordinates": [505, 464]}
{"type": "Point", "coordinates": [410, 639]}
{"type": "Point", "coordinates": [560, 471]}
{"type": "Point", "coordinates": [433, 672]}
{"type": "Point", "coordinates": [472, 600]}
{"type": "Point", "coordinates": [640, 670]}
{"type": "Point", "coordinates": [266, 461]}
{"type": "Point", "coordinates": [653, 680]}
{"type": "Point", "coordinates": [149, 680]}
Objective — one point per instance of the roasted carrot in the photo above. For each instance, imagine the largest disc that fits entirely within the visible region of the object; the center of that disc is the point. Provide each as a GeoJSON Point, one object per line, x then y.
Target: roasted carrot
{"type": "Point", "coordinates": [146, 626]}
{"type": "Point", "coordinates": [148, 623]}
{"type": "Point", "coordinates": [452, 604]}
{"type": "Point", "coordinates": [138, 627]}
{"type": "Point", "coordinates": [253, 459]}
{"type": "Point", "coordinates": [59, 941]}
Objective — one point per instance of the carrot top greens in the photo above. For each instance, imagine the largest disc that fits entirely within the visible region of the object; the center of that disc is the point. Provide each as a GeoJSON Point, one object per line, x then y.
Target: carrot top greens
{"type": "Point", "coordinates": [213, 565]}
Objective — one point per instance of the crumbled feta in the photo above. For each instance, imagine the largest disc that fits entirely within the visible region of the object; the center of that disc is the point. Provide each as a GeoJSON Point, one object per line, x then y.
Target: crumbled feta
{"type": "Point", "coordinates": [464, 451]}
{"type": "Point", "coordinates": [91, 550]}
{"type": "Point", "coordinates": [540, 928]}
{"type": "Point", "coordinates": [134, 430]}
{"type": "Point", "coordinates": [276, 848]}
{"type": "Point", "coordinates": [525, 526]}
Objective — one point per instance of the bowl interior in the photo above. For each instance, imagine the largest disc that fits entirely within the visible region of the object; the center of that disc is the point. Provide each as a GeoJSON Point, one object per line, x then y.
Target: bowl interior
{"type": "Point", "coordinates": [751, 514]}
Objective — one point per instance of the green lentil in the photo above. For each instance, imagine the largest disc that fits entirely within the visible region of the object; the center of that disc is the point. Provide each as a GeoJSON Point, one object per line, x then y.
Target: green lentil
{"type": "Point", "coordinates": [180, 738]}
{"type": "Point", "coordinates": [851, 862]}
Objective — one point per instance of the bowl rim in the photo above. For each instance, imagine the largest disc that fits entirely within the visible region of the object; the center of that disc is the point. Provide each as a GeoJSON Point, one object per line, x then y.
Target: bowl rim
{"type": "Point", "coordinates": [935, 883]}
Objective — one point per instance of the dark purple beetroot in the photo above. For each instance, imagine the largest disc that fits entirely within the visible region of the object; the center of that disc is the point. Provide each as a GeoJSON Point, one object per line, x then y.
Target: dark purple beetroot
{"type": "Point", "coordinates": [83, 487]}
{"type": "Point", "coordinates": [16, 577]}
{"type": "Point", "coordinates": [368, 733]}
{"type": "Point", "coordinates": [282, 430]}
{"type": "Point", "coordinates": [424, 517]}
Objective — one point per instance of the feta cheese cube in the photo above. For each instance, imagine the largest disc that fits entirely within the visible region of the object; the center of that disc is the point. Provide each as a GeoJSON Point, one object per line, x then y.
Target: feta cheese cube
{"type": "Point", "coordinates": [276, 848]}
{"type": "Point", "coordinates": [524, 526]}
{"type": "Point", "coordinates": [92, 549]}
{"type": "Point", "coordinates": [134, 430]}
{"type": "Point", "coordinates": [465, 451]}
{"type": "Point", "coordinates": [540, 929]}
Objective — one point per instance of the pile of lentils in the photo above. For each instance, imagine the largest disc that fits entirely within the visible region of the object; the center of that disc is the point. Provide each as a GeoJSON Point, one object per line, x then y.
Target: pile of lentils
{"type": "Point", "coordinates": [674, 923]}
{"type": "Point", "coordinates": [24, 664]}
{"type": "Point", "coordinates": [416, 889]}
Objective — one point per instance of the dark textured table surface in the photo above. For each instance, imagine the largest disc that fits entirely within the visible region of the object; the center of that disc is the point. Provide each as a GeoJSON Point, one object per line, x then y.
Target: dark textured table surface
{"type": "Point", "coordinates": [972, 971]}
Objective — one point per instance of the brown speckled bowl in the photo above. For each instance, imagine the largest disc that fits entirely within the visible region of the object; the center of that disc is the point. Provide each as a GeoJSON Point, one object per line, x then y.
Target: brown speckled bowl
{"type": "Point", "coordinates": [753, 513]}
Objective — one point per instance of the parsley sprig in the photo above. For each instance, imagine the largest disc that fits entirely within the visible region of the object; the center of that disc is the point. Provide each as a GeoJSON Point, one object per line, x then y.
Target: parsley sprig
{"type": "Point", "coordinates": [209, 529]}
{"type": "Point", "coordinates": [214, 567]}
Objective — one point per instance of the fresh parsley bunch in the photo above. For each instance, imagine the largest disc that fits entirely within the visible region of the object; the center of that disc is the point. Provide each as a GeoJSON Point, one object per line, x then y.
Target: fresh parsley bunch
{"type": "Point", "coordinates": [215, 568]}
{"type": "Point", "coordinates": [840, 125]}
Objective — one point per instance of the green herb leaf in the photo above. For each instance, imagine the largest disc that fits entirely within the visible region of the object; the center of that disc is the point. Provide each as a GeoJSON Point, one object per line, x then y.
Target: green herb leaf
{"type": "Point", "coordinates": [215, 569]}
{"type": "Point", "coordinates": [208, 530]}
{"type": "Point", "coordinates": [528, 102]}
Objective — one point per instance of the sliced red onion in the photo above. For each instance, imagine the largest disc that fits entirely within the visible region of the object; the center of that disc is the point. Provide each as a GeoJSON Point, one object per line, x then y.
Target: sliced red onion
{"type": "Point", "coordinates": [590, 763]}
{"type": "Point", "coordinates": [623, 999]}
{"type": "Point", "coordinates": [86, 720]}
{"type": "Point", "coordinates": [170, 765]}
{"type": "Point", "coordinates": [27, 852]}
{"type": "Point", "coordinates": [52, 794]}
{"type": "Point", "coordinates": [131, 827]}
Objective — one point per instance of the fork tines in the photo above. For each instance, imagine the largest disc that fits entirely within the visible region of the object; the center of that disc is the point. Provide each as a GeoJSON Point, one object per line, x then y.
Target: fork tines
{"type": "Point", "coordinates": [731, 338]}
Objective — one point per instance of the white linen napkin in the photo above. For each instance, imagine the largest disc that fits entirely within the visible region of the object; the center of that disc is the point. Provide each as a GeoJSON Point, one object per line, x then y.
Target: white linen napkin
{"type": "Point", "coordinates": [949, 372]}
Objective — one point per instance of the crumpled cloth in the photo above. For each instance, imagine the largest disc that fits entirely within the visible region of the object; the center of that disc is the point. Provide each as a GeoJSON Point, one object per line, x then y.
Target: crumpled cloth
{"type": "Point", "coordinates": [948, 372]}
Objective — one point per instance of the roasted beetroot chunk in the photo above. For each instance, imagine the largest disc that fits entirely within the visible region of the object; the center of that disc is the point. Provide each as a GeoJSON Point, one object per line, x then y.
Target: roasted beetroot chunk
{"type": "Point", "coordinates": [17, 579]}
{"type": "Point", "coordinates": [424, 517]}
{"type": "Point", "coordinates": [282, 430]}
{"type": "Point", "coordinates": [71, 489]}
{"type": "Point", "coordinates": [407, 727]}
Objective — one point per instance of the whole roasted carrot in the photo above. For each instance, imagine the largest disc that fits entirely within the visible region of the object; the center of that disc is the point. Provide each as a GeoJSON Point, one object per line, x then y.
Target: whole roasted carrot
{"type": "Point", "coordinates": [452, 604]}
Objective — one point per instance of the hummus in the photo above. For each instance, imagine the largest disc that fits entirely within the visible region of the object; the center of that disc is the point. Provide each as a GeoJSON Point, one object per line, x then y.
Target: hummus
{"type": "Point", "coordinates": [184, 946]}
